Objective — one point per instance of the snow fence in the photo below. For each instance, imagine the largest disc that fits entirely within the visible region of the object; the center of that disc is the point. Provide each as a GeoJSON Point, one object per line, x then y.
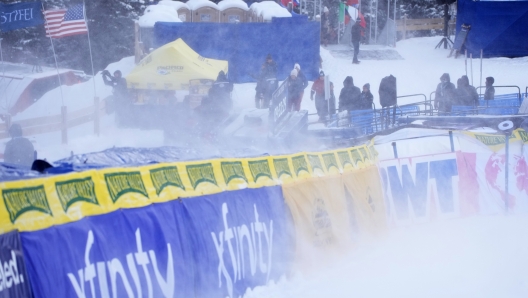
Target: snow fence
{"type": "Point", "coordinates": [213, 228]}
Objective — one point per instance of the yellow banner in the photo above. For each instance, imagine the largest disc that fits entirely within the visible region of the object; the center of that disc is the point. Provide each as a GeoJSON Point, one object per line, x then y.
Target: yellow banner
{"type": "Point", "coordinates": [364, 196]}
{"type": "Point", "coordinates": [496, 141]}
{"type": "Point", "coordinates": [33, 204]}
{"type": "Point", "coordinates": [321, 226]}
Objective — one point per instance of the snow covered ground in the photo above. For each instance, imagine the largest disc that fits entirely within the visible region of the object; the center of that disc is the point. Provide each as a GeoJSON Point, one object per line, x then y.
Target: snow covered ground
{"type": "Point", "coordinates": [476, 257]}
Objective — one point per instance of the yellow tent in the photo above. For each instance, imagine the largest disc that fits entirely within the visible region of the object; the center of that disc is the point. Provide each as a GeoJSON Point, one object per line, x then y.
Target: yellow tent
{"type": "Point", "coordinates": [171, 66]}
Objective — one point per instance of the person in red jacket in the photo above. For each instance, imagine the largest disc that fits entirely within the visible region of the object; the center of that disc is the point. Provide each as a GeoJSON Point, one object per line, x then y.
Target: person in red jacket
{"type": "Point", "coordinates": [318, 90]}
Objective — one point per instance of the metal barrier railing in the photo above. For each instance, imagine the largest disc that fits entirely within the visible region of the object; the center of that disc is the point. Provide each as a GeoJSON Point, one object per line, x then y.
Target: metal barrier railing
{"type": "Point", "coordinates": [506, 86]}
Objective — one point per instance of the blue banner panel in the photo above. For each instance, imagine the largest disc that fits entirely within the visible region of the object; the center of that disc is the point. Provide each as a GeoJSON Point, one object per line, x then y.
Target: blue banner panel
{"type": "Point", "coordinates": [498, 28]}
{"type": "Point", "coordinates": [20, 15]}
{"type": "Point", "coordinates": [141, 252]}
{"type": "Point", "coordinates": [240, 238]}
{"type": "Point", "coordinates": [14, 281]}
{"type": "Point", "coordinates": [245, 45]}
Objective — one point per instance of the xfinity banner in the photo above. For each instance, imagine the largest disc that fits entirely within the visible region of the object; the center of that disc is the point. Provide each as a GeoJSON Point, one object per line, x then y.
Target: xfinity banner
{"type": "Point", "coordinates": [240, 240]}
{"type": "Point", "coordinates": [139, 252]}
{"type": "Point", "coordinates": [14, 281]}
{"type": "Point", "coordinates": [20, 15]}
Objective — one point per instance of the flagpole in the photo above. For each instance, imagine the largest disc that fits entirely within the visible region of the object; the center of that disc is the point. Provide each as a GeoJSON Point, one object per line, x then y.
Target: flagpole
{"type": "Point", "coordinates": [90, 48]}
{"type": "Point", "coordinates": [55, 57]}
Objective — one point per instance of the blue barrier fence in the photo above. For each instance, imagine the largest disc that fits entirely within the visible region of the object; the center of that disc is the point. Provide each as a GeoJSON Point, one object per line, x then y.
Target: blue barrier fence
{"type": "Point", "coordinates": [246, 45]}
{"type": "Point", "coordinates": [209, 246]}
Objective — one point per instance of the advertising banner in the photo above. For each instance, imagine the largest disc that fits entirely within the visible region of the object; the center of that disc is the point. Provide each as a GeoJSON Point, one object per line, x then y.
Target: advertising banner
{"type": "Point", "coordinates": [421, 189]}
{"type": "Point", "coordinates": [321, 226]}
{"type": "Point", "coordinates": [14, 280]}
{"type": "Point", "coordinates": [240, 239]}
{"type": "Point", "coordinates": [20, 15]}
{"type": "Point", "coordinates": [490, 165]}
{"type": "Point", "coordinates": [365, 202]}
{"type": "Point", "coordinates": [138, 252]}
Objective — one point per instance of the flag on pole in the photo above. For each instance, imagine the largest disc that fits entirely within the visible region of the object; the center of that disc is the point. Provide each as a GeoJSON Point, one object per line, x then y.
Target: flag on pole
{"type": "Point", "coordinates": [65, 22]}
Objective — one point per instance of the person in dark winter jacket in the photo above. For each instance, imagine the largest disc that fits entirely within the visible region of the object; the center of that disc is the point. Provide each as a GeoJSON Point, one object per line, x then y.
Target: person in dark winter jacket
{"type": "Point", "coordinates": [117, 82]}
{"type": "Point", "coordinates": [350, 96]}
{"type": "Point", "coordinates": [445, 93]}
{"type": "Point", "coordinates": [295, 91]}
{"type": "Point", "coordinates": [19, 150]}
{"type": "Point", "coordinates": [489, 94]}
{"type": "Point", "coordinates": [318, 90]}
{"type": "Point", "coordinates": [220, 93]}
{"type": "Point", "coordinates": [266, 83]}
{"type": "Point", "coordinates": [356, 38]}
{"type": "Point", "coordinates": [120, 101]}
{"type": "Point", "coordinates": [470, 91]}
{"type": "Point", "coordinates": [366, 98]}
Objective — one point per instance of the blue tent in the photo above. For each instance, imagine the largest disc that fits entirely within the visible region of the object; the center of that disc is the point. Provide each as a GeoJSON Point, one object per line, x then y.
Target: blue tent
{"type": "Point", "coordinates": [498, 28]}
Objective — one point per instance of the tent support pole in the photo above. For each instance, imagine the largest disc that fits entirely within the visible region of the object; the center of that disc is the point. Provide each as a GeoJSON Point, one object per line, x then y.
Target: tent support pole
{"type": "Point", "coordinates": [465, 62]}
{"type": "Point", "coordinates": [480, 83]}
{"type": "Point", "coordinates": [471, 65]}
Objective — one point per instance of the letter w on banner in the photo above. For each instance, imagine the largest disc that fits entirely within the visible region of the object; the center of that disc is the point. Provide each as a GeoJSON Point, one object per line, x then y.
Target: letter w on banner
{"type": "Point", "coordinates": [65, 22]}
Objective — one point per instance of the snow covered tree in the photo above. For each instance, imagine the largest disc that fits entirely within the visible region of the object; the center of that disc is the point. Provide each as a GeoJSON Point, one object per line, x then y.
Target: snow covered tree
{"type": "Point", "coordinates": [111, 25]}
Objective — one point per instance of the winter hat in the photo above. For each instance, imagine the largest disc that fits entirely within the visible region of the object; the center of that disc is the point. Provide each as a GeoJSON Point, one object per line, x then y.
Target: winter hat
{"type": "Point", "coordinates": [268, 57]}
{"type": "Point", "coordinates": [321, 73]}
{"type": "Point", "coordinates": [325, 9]}
{"type": "Point", "coordinates": [297, 66]}
{"type": "Point", "coordinates": [293, 72]}
{"type": "Point", "coordinates": [446, 77]}
{"type": "Point", "coordinates": [367, 85]}
{"type": "Point", "coordinates": [490, 79]}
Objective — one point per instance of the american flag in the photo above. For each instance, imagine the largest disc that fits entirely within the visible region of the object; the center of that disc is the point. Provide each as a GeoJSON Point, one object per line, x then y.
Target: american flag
{"type": "Point", "coordinates": [65, 22]}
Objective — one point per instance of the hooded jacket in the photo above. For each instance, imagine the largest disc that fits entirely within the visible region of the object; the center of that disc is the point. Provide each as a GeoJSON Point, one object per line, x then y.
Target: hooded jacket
{"type": "Point", "coordinates": [445, 94]}
{"type": "Point", "coordinates": [350, 96]}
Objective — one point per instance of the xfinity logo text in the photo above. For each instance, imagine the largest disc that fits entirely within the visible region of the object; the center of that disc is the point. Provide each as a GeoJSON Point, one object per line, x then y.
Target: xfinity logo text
{"type": "Point", "coordinates": [241, 241]}
{"type": "Point", "coordinates": [132, 270]}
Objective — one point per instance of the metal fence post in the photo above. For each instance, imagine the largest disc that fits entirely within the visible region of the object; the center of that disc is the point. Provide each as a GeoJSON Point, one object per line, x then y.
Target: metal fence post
{"type": "Point", "coordinates": [96, 116]}
{"type": "Point", "coordinates": [64, 122]}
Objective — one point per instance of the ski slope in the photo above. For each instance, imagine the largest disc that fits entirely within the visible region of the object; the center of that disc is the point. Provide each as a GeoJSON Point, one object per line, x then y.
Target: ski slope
{"type": "Point", "coordinates": [475, 257]}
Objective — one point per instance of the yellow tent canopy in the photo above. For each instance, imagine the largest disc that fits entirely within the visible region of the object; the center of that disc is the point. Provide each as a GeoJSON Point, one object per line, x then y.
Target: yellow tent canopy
{"type": "Point", "coordinates": [171, 66]}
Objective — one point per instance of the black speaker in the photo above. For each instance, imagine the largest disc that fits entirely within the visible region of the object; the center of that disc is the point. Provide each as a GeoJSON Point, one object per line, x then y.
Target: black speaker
{"type": "Point", "coordinates": [443, 2]}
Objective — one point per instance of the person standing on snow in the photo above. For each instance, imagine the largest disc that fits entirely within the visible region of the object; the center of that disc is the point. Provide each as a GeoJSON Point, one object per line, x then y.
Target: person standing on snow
{"type": "Point", "coordinates": [349, 98]}
{"type": "Point", "coordinates": [120, 99]}
{"type": "Point", "coordinates": [302, 77]}
{"type": "Point", "coordinates": [318, 90]}
{"type": "Point", "coordinates": [267, 83]}
{"type": "Point", "coordinates": [366, 98]}
{"type": "Point", "coordinates": [470, 91]}
{"type": "Point", "coordinates": [489, 94]}
{"type": "Point", "coordinates": [19, 150]}
{"type": "Point", "coordinates": [325, 26]}
{"type": "Point", "coordinates": [295, 91]}
{"type": "Point", "coordinates": [356, 38]}
{"type": "Point", "coordinates": [445, 92]}
{"type": "Point", "coordinates": [117, 82]}
{"type": "Point", "coordinates": [220, 93]}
